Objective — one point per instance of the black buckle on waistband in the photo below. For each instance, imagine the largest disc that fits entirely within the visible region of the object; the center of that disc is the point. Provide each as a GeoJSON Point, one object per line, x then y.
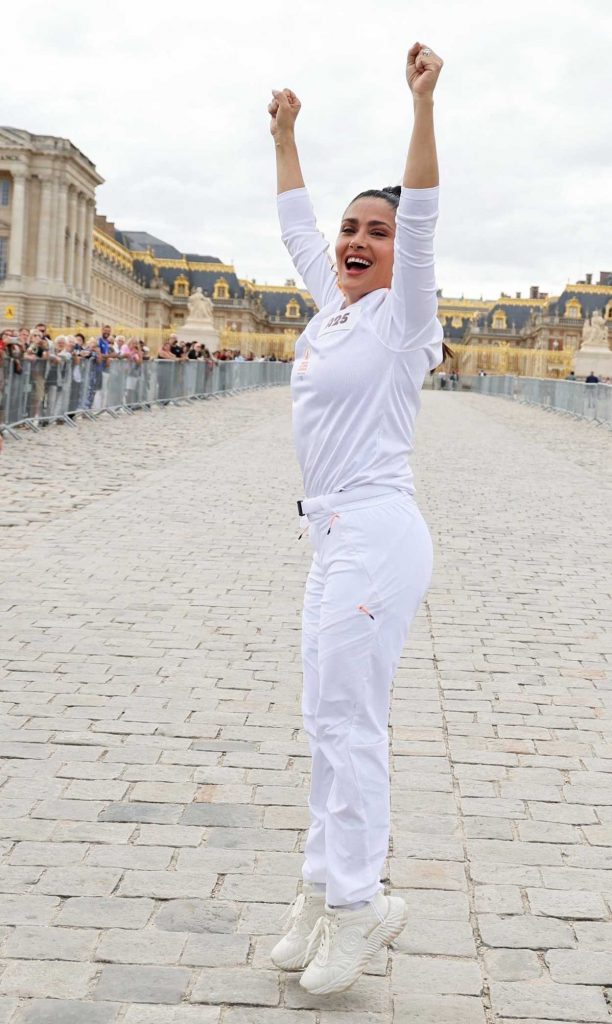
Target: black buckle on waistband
{"type": "Point", "coordinates": [299, 505]}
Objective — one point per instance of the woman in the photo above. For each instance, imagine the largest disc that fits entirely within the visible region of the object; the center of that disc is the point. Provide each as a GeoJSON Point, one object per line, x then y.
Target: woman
{"type": "Point", "coordinates": [356, 380]}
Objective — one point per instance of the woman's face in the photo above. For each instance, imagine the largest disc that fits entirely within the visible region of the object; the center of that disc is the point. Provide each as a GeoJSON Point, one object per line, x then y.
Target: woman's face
{"type": "Point", "coordinates": [364, 247]}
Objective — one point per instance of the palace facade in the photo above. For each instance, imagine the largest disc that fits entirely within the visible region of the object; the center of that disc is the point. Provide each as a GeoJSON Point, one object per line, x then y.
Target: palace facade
{"type": "Point", "coordinates": [65, 265]}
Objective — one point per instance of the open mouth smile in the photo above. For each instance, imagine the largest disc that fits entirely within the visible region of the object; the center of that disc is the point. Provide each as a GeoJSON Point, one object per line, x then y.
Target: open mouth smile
{"type": "Point", "coordinates": [356, 265]}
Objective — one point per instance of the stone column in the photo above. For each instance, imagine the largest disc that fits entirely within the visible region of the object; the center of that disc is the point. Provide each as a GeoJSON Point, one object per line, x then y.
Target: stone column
{"type": "Point", "coordinates": [89, 230]}
{"type": "Point", "coordinates": [72, 202]}
{"type": "Point", "coordinates": [80, 252]}
{"type": "Point", "coordinates": [15, 260]}
{"type": "Point", "coordinates": [43, 244]}
{"type": "Point", "coordinates": [60, 236]}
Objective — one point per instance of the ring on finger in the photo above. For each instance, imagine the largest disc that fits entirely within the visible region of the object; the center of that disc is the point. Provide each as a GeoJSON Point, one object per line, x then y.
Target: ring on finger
{"type": "Point", "coordinates": [426, 52]}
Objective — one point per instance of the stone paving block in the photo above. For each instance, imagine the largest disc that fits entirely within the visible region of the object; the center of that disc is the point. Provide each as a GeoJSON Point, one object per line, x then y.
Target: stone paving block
{"type": "Point", "coordinates": [55, 979]}
{"type": "Point", "coordinates": [512, 964]}
{"type": "Point", "coordinates": [146, 858]}
{"type": "Point", "coordinates": [236, 985]}
{"type": "Point", "coordinates": [104, 912]}
{"type": "Point", "coordinates": [427, 874]}
{"type": "Point", "coordinates": [29, 909]}
{"type": "Point", "coordinates": [122, 945]}
{"type": "Point", "coordinates": [77, 880]}
{"type": "Point", "coordinates": [219, 861]}
{"type": "Point", "coordinates": [439, 1009]}
{"type": "Point", "coordinates": [158, 813]}
{"type": "Point", "coordinates": [91, 832]}
{"type": "Point", "coordinates": [524, 932]}
{"type": "Point", "coordinates": [251, 839]}
{"type": "Point", "coordinates": [173, 1015]}
{"type": "Point", "coordinates": [67, 1011]}
{"type": "Point", "coordinates": [232, 815]}
{"type": "Point", "coordinates": [253, 1015]}
{"type": "Point", "coordinates": [428, 975]}
{"type": "Point", "coordinates": [267, 888]}
{"type": "Point", "coordinates": [216, 950]}
{"type": "Point", "coordinates": [168, 835]}
{"type": "Point", "coordinates": [138, 984]}
{"type": "Point", "coordinates": [435, 904]}
{"type": "Point", "coordinates": [436, 937]}
{"type": "Point", "coordinates": [7, 1009]}
{"type": "Point", "coordinates": [546, 999]}
{"type": "Point", "coordinates": [19, 879]}
{"type": "Point", "coordinates": [197, 916]}
{"type": "Point", "coordinates": [48, 943]}
{"type": "Point", "coordinates": [566, 903]}
{"type": "Point", "coordinates": [166, 885]}
{"type": "Point", "coordinates": [580, 968]}
{"type": "Point", "coordinates": [498, 899]}
{"type": "Point", "coordinates": [52, 854]}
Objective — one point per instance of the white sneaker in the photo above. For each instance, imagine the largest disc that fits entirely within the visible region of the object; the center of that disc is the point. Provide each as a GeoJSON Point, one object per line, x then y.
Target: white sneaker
{"type": "Point", "coordinates": [348, 939]}
{"type": "Point", "coordinates": [294, 952]}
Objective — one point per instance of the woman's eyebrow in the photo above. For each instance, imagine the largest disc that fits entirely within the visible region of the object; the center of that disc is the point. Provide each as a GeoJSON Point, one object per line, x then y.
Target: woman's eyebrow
{"type": "Point", "coordinates": [371, 223]}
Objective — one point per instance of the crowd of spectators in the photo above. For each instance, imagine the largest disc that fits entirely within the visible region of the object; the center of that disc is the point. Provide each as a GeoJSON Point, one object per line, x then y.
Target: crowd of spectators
{"type": "Point", "coordinates": [69, 372]}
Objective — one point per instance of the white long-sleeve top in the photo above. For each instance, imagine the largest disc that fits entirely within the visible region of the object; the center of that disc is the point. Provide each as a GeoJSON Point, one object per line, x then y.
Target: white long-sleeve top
{"type": "Point", "coordinates": [359, 368]}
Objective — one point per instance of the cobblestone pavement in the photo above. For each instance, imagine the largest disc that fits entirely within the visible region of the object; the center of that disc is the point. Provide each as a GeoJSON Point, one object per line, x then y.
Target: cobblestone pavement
{"type": "Point", "coordinates": [153, 796]}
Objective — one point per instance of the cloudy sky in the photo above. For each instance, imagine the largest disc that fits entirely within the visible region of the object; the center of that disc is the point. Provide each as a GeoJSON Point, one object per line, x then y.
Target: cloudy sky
{"type": "Point", "coordinates": [169, 101]}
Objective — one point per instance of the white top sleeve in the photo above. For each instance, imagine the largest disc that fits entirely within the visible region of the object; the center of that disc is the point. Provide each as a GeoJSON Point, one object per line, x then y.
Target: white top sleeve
{"type": "Point", "coordinates": [408, 317]}
{"type": "Point", "coordinates": [306, 245]}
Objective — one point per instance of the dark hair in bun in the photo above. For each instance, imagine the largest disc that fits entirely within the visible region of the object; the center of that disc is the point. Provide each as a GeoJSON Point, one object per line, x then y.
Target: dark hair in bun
{"type": "Point", "coordinates": [390, 193]}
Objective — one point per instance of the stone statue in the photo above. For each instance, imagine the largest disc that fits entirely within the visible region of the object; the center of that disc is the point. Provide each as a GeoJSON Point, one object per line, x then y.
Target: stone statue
{"type": "Point", "coordinates": [200, 308]}
{"type": "Point", "coordinates": [598, 333]}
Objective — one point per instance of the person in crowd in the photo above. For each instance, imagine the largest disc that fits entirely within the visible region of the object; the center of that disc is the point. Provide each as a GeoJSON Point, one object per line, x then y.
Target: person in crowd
{"type": "Point", "coordinates": [571, 375]}
{"type": "Point", "coordinates": [592, 378]}
{"type": "Point", "coordinates": [37, 356]}
{"type": "Point", "coordinates": [372, 551]}
{"type": "Point", "coordinates": [165, 351]}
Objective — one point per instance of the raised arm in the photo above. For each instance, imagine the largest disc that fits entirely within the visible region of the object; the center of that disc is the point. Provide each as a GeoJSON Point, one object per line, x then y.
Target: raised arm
{"type": "Point", "coordinates": [306, 245]}
{"type": "Point", "coordinates": [283, 110]}
{"type": "Point", "coordinates": [409, 316]}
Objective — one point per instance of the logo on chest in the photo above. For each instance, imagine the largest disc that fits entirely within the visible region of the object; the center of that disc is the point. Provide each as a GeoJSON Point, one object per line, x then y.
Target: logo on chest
{"type": "Point", "coordinates": [304, 363]}
{"type": "Point", "coordinates": [345, 320]}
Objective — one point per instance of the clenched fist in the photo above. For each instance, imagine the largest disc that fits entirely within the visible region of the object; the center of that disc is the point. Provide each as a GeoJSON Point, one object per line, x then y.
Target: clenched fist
{"type": "Point", "coordinates": [283, 111]}
{"type": "Point", "coordinates": [422, 70]}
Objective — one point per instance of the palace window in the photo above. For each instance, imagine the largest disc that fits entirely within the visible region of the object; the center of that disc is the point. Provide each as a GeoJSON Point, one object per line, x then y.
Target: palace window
{"type": "Point", "coordinates": [221, 289]}
{"type": "Point", "coordinates": [3, 251]}
{"type": "Point", "coordinates": [500, 321]}
{"type": "Point", "coordinates": [573, 309]}
{"type": "Point", "coordinates": [293, 309]}
{"type": "Point", "coordinates": [5, 191]}
{"type": "Point", "coordinates": [181, 286]}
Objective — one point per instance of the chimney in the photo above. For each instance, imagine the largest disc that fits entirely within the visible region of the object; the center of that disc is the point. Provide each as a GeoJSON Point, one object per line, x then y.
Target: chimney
{"type": "Point", "coordinates": [589, 278]}
{"type": "Point", "coordinates": [518, 295]}
{"type": "Point", "coordinates": [605, 277]}
{"type": "Point", "coordinates": [534, 291]}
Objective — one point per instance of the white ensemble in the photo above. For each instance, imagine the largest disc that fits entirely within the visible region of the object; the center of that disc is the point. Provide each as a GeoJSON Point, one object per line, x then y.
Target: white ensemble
{"type": "Point", "coordinates": [356, 385]}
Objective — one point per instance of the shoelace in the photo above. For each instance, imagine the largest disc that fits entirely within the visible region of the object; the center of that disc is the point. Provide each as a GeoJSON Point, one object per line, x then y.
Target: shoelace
{"type": "Point", "coordinates": [294, 909]}
{"type": "Point", "coordinates": [320, 935]}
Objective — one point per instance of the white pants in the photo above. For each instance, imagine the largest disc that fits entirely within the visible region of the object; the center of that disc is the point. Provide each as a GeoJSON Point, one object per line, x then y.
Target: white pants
{"type": "Point", "coordinates": [371, 569]}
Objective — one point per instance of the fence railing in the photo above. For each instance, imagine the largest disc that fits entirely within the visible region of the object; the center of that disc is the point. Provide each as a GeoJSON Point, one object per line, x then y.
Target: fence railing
{"type": "Point", "coordinates": [39, 392]}
{"type": "Point", "coordinates": [576, 398]}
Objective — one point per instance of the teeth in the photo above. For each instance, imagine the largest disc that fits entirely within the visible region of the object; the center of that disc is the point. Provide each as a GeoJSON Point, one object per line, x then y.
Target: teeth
{"type": "Point", "coordinates": [357, 259]}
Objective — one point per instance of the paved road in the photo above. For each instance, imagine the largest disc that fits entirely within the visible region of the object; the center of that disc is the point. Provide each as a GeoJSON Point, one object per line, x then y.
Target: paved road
{"type": "Point", "coordinates": [154, 772]}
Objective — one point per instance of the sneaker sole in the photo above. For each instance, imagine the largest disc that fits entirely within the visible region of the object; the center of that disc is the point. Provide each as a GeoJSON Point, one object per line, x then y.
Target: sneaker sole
{"type": "Point", "coordinates": [296, 963]}
{"type": "Point", "coordinates": [388, 930]}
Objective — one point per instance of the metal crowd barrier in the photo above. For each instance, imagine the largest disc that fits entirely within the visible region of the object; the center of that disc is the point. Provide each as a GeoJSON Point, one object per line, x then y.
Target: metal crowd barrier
{"type": "Point", "coordinates": [44, 393]}
{"type": "Point", "coordinates": [573, 397]}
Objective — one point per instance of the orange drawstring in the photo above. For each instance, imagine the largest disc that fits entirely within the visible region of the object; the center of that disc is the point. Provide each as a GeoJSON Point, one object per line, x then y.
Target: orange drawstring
{"type": "Point", "coordinates": [362, 608]}
{"type": "Point", "coordinates": [305, 530]}
{"type": "Point", "coordinates": [331, 522]}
